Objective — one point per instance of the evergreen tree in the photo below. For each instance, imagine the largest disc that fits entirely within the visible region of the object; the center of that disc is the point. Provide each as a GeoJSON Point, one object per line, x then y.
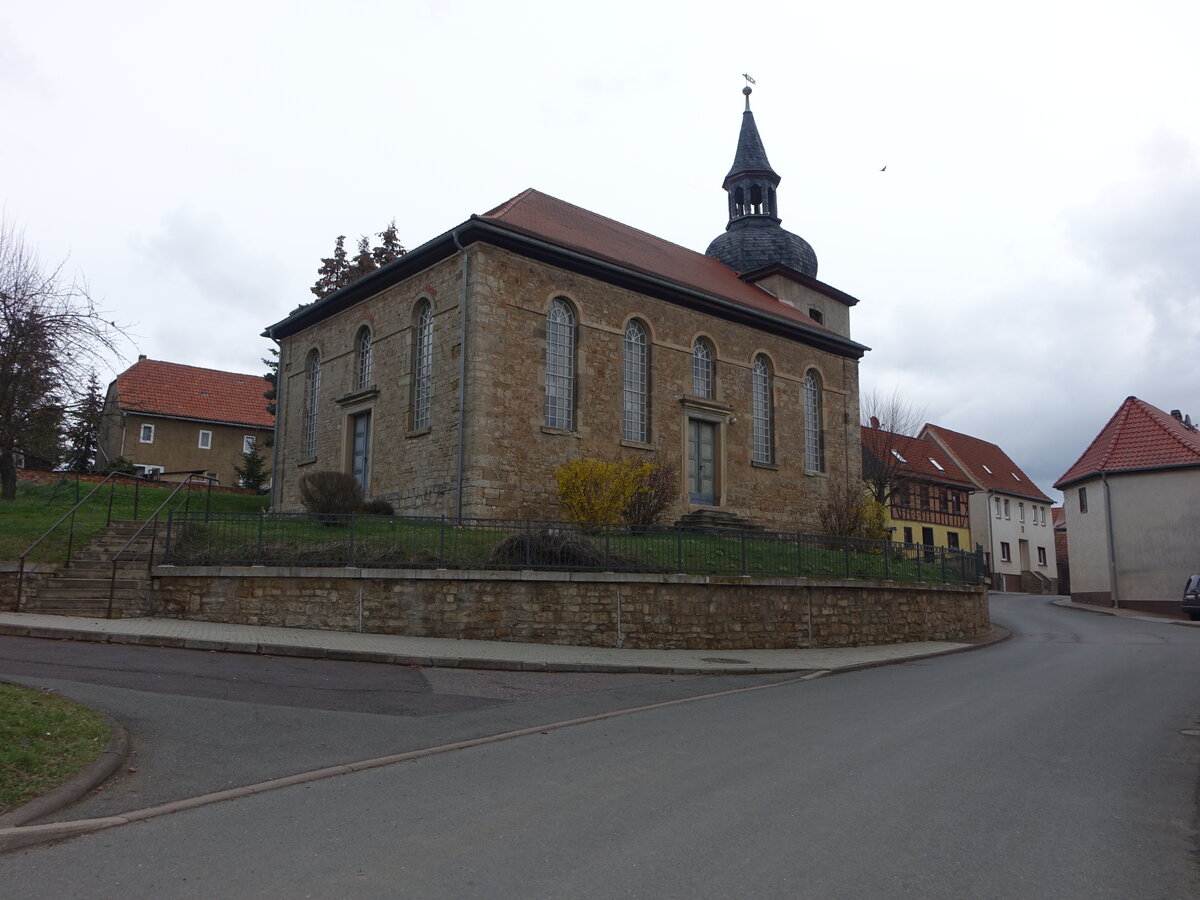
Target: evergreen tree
{"type": "Point", "coordinates": [83, 433]}
{"type": "Point", "coordinates": [389, 247]}
{"type": "Point", "coordinates": [271, 394]}
{"type": "Point", "coordinates": [333, 271]}
{"type": "Point", "coordinates": [363, 262]}
{"type": "Point", "coordinates": [253, 471]}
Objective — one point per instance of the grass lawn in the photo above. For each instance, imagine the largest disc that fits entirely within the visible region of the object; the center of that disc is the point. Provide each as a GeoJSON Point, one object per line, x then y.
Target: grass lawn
{"type": "Point", "coordinates": [44, 740]}
{"type": "Point", "coordinates": [38, 505]}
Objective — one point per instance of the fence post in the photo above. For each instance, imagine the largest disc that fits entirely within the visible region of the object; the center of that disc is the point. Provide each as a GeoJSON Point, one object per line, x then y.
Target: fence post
{"type": "Point", "coordinates": [846, 555]}
{"type": "Point", "coordinates": [350, 561]}
{"type": "Point", "coordinates": [679, 549]}
{"type": "Point", "coordinates": [112, 486]}
{"type": "Point", "coordinates": [168, 549]}
{"type": "Point", "coordinates": [742, 548]}
{"type": "Point", "coordinates": [137, 488]}
{"type": "Point", "coordinates": [442, 542]}
{"type": "Point", "coordinates": [917, 558]}
{"type": "Point", "coordinates": [886, 549]}
{"type": "Point", "coordinates": [799, 556]}
{"type": "Point", "coordinates": [528, 544]}
{"type": "Point", "coordinates": [607, 538]}
{"type": "Point", "coordinates": [944, 576]}
{"type": "Point", "coordinates": [258, 553]}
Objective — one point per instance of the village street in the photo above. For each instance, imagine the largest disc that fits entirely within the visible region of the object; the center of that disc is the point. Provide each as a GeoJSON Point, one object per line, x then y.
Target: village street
{"type": "Point", "coordinates": [1056, 764]}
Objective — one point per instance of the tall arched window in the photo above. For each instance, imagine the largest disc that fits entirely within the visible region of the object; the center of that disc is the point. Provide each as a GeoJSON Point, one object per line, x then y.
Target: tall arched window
{"type": "Point", "coordinates": [814, 442]}
{"type": "Point", "coordinates": [761, 414]}
{"type": "Point", "coordinates": [312, 401]}
{"type": "Point", "coordinates": [702, 369]}
{"type": "Point", "coordinates": [637, 370]}
{"type": "Point", "coordinates": [560, 366]}
{"type": "Point", "coordinates": [422, 365]}
{"type": "Point", "coordinates": [362, 379]}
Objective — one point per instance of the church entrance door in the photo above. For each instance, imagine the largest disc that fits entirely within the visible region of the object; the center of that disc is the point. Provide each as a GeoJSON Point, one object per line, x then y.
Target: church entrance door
{"type": "Point", "coordinates": [701, 462]}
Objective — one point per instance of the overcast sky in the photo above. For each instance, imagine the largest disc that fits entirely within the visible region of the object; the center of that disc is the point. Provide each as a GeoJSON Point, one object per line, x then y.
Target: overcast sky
{"type": "Point", "coordinates": [1030, 257]}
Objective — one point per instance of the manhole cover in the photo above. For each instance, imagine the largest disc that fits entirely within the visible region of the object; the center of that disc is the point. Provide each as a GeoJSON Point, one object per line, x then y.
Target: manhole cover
{"type": "Point", "coordinates": [721, 659]}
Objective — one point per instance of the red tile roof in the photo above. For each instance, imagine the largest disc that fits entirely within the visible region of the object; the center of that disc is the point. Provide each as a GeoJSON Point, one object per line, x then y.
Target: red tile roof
{"type": "Point", "coordinates": [985, 463]}
{"type": "Point", "coordinates": [1138, 436]}
{"type": "Point", "coordinates": [918, 456]}
{"type": "Point", "coordinates": [186, 392]}
{"type": "Point", "coordinates": [539, 215]}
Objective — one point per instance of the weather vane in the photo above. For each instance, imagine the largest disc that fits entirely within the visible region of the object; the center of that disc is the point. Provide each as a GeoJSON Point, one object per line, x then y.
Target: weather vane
{"type": "Point", "coordinates": [747, 89]}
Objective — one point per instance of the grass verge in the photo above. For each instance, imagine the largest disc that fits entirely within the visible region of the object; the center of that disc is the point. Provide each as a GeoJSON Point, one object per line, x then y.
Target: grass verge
{"type": "Point", "coordinates": [44, 740]}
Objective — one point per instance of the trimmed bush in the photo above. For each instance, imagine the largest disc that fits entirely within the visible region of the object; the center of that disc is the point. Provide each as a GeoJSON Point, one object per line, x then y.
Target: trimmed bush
{"type": "Point", "coordinates": [330, 493]}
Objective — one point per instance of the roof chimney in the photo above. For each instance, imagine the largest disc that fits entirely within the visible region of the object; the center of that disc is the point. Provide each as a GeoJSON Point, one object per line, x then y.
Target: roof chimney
{"type": "Point", "coordinates": [142, 356]}
{"type": "Point", "coordinates": [874, 421]}
{"type": "Point", "coordinates": [1177, 414]}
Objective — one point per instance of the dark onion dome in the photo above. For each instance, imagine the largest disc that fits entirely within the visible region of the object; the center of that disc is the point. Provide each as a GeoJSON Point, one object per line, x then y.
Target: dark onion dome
{"type": "Point", "coordinates": [750, 244]}
{"type": "Point", "coordinates": [753, 239]}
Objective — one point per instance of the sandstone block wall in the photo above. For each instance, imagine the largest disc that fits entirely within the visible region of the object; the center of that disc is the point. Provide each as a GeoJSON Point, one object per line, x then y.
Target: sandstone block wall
{"type": "Point", "coordinates": [600, 610]}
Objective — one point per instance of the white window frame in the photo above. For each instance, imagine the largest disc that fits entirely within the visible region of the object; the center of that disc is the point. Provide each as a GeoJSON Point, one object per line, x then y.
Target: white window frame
{"type": "Point", "coordinates": [997, 499]}
{"type": "Point", "coordinates": [1021, 511]}
{"type": "Point", "coordinates": [422, 391]}
{"type": "Point", "coordinates": [1005, 552]}
{"type": "Point", "coordinates": [312, 406]}
{"type": "Point", "coordinates": [560, 366]}
{"type": "Point", "coordinates": [249, 442]}
{"type": "Point", "coordinates": [703, 370]}
{"type": "Point", "coordinates": [635, 423]}
{"type": "Point", "coordinates": [142, 434]}
{"type": "Point", "coordinates": [362, 379]}
{"type": "Point", "coordinates": [762, 446]}
{"type": "Point", "coordinates": [1042, 557]}
{"type": "Point", "coordinates": [205, 442]}
{"type": "Point", "coordinates": [1007, 510]}
{"type": "Point", "coordinates": [814, 436]}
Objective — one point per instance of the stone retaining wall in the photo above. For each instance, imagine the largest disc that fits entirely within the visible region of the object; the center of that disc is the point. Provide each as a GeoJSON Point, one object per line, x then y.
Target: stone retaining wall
{"type": "Point", "coordinates": [35, 575]}
{"type": "Point", "coordinates": [582, 609]}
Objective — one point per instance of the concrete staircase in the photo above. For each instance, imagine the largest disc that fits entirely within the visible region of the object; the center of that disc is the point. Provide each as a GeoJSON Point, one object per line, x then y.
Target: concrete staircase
{"type": "Point", "coordinates": [716, 520]}
{"type": "Point", "coordinates": [82, 588]}
{"type": "Point", "coordinates": [1036, 583]}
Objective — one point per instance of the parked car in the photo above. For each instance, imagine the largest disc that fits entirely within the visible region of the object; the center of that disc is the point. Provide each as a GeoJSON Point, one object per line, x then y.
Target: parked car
{"type": "Point", "coordinates": [1191, 598]}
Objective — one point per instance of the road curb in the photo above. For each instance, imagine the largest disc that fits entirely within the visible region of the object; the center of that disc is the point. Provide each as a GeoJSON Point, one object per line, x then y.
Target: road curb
{"type": "Point", "coordinates": [87, 779]}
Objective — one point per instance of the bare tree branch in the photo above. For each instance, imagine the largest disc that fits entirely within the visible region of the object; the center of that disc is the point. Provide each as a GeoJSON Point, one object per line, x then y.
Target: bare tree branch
{"type": "Point", "coordinates": [888, 420]}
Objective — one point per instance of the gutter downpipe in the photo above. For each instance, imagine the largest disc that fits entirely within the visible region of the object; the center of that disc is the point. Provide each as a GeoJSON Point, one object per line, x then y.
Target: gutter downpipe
{"type": "Point", "coordinates": [1112, 547]}
{"type": "Point", "coordinates": [462, 381]}
{"type": "Point", "coordinates": [991, 539]}
{"type": "Point", "coordinates": [276, 437]}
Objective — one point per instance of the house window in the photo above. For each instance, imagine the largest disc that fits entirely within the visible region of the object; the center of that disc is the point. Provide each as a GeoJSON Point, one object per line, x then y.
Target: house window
{"type": "Point", "coordinates": [1021, 511]}
{"type": "Point", "coordinates": [422, 366]}
{"type": "Point", "coordinates": [312, 398]}
{"type": "Point", "coordinates": [1005, 552]}
{"type": "Point", "coordinates": [702, 369]}
{"type": "Point", "coordinates": [147, 435]}
{"type": "Point", "coordinates": [1083, 500]}
{"type": "Point", "coordinates": [997, 499]}
{"type": "Point", "coordinates": [636, 412]}
{"type": "Point", "coordinates": [1043, 515]}
{"type": "Point", "coordinates": [814, 449]}
{"type": "Point", "coordinates": [362, 378]}
{"type": "Point", "coordinates": [908, 534]}
{"type": "Point", "coordinates": [1041, 556]}
{"type": "Point", "coordinates": [205, 440]}
{"type": "Point", "coordinates": [248, 443]}
{"type": "Point", "coordinates": [560, 366]}
{"type": "Point", "coordinates": [816, 315]}
{"type": "Point", "coordinates": [952, 540]}
{"type": "Point", "coordinates": [761, 425]}
{"type": "Point", "coordinates": [1006, 513]}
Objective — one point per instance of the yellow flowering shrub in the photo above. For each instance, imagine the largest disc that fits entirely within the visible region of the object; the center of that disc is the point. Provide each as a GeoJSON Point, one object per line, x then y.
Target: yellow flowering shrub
{"type": "Point", "coordinates": [597, 492]}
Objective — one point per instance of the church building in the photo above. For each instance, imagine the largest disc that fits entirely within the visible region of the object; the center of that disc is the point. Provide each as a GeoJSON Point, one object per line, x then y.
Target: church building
{"type": "Point", "coordinates": [456, 379]}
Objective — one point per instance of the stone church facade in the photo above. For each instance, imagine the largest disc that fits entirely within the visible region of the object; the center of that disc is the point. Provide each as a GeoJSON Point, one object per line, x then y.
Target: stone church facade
{"type": "Point", "coordinates": [457, 379]}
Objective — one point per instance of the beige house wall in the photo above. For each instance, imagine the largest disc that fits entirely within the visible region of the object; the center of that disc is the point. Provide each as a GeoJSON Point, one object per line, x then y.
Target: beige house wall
{"type": "Point", "coordinates": [1155, 533]}
{"type": "Point", "coordinates": [992, 531]}
{"type": "Point", "coordinates": [509, 456]}
{"type": "Point", "coordinates": [176, 444]}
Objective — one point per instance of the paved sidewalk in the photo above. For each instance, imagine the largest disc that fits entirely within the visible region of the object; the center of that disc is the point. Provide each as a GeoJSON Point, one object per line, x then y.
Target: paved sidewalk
{"type": "Point", "coordinates": [447, 652]}
{"type": "Point", "coordinates": [1066, 603]}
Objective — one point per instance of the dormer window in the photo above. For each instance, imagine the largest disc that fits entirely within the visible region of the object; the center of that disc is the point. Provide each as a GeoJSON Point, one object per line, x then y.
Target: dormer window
{"type": "Point", "coordinates": [986, 469]}
{"type": "Point", "coordinates": [937, 465]}
{"type": "Point", "coordinates": [1015, 476]}
{"type": "Point", "coordinates": [896, 453]}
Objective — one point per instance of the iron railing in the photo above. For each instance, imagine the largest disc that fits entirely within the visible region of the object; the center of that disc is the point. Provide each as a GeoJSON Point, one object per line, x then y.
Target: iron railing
{"type": "Point", "coordinates": [303, 539]}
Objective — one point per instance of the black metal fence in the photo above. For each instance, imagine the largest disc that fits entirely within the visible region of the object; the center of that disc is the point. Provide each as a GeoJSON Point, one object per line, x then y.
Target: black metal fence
{"type": "Point", "coordinates": [303, 539]}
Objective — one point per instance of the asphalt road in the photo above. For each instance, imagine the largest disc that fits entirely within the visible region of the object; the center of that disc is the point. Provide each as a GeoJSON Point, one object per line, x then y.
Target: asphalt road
{"type": "Point", "coordinates": [202, 722]}
{"type": "Point", "coordinates": [1056, 764]}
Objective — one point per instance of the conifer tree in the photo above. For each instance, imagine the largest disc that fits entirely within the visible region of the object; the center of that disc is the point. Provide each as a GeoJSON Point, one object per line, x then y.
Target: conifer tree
{"type": "Point", "coordinates": [363, 262]}
{"type": "Point", "coordinates": [83, 434]}
{"type": "Point", "coordinates": [253, 471]}
{"type": "Point", "coordinates": [333, 271]}
{"type": "Point", "coordinates": [389, 247]}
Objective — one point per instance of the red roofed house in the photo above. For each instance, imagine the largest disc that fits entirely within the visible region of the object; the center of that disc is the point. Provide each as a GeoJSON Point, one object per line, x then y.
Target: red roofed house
{"type": "Point", "coordinates": [1010, 515]}
{"type": "Point", "coordinates": [456, 379]}
{"type": "Point", "coordinates": [1134, 501]}
{"type": "Point", "coordinates": [927, 493]}
{"type": "Point", "coordinates": [169, 419]}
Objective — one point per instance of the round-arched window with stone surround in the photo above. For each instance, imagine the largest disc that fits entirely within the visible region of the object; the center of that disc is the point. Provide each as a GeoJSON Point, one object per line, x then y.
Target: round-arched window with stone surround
{"type": "Point", "coordinates": [560, 365]}
{"type": "Point", "coordinates": [636, 399]}
{"type": "Point", "coordinates": [704, 369]}
{"type": "Point", "coordinates": [814, 429]}
{"type": "Point", "coordinates": [762, 419]}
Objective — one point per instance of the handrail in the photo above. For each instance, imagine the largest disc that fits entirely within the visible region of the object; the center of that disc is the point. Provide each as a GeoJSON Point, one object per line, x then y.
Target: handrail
{"type": "Point", "coordinates": [112, 583]}
{"type": "Point", "coordinates": [70, 514]}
